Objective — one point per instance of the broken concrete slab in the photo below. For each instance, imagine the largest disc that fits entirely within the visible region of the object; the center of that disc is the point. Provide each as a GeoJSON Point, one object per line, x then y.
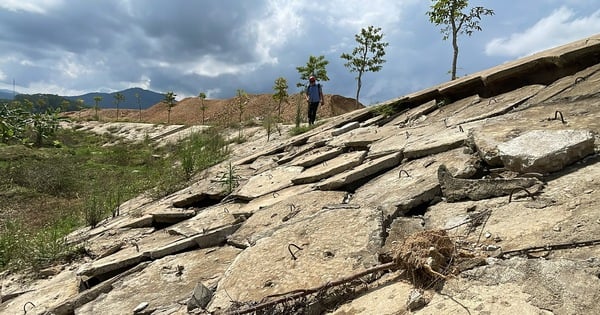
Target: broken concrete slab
{"type": "Point", "coordinates": [152, 247]}
{"type": "Point", "coordinates": [256, 204]}
{"type": "Point", "coordinates": [44, 294]}
{"type": "Point", "coordinates": [553, 150]}
{"type": "Point", "coordinates": [424, 145]}
{"type": "Point", "coordinates": [297, 152]}
{"type": "Point", "coordinates": [267, 182]}
{"type": "Point", "coordinates": [176, 274]}
{"type": "Point", "coordinates": [128, 256]}
{"type": "Point", "coordinates": [345, 128]}
{"type": "Point", "coordinates": [358, 173]}
{"type": "Point", "coordinates": [334, 244]}
{"type": "Point", "coordinates": [207, 219]}
{"type": "Point", "coordinates": [387, 299]}
{"type": "Point", "coordinates": [362, 137]}
{"type": "Point", "coordinates": [583, 84]}
{"type": "Point", "coordinates": [411, 184]}
{"type": "Point", "coordinates": [455, 189]}
{"type": "Point", "coordinates": [267, 220]}
{"type": "Point", "coordinates": [493, 106]}
{"type": "Point", "coordinates": [389, 145]}
{"type": "Point", "coordinates": [524, 286]}
{"type": "Point", "coordinates": [561, 85]}
{"type": "Point", "coordinates": [316, 156]}
{"type": "Point", "coordinates": [100, 243]}
{"type": "Point", "coordinates": [330, 168]}
{"type": "Point", "coordinates": [262, 163]}
{"type": "Point", "coordinates": [485, 137]}
{"type": "Point", "coordinates": [171, 217]}
{"type": "Point", "coordinates": [564, 217]}
{"type": "Point", "coordinates": [413, 113]}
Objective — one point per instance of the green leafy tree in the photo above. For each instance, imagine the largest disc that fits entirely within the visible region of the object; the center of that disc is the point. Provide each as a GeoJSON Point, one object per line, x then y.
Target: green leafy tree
{"type": "Point", "coordinates": [281, 93]}
{"type": "Point", "coordinates": [138, 97]}
{"type": "Point", "coordinates": [119, 98]}
{"type": "Point", "coordinates": [202, 97]}
{"type": "Point", "coordinates": [170, 100]}
{"type": "Point", "coordinates": [241, 100]}
{"type": "Point", "coordinates": [97, 100]}
{"type": "Point", "coordinates": [315, 66]}
{"type": "Point", "coordinates": [14, 120]}
{"type": "Point", "coordinates": [367, 56]}
{"type": "Point", "coordinates": [80, 106]}
{"type": "Point", "coordinates": [44, 125]}
{"type": "Point", "coordinates": [449, 14]}
{"type": "Point", "coordinates": [64, 105]}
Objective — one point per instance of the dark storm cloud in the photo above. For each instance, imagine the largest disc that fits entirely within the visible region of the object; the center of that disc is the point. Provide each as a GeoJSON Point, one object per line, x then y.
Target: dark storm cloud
{"type": "Point", "coordinates": [217, 47]}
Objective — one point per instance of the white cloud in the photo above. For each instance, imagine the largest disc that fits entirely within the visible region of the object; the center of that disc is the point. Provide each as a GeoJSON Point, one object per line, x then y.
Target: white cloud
{"type": "Point", "coordinates": [280, 24]}
{"type": "Point", "coordinates": [356, 14]}
{"type": "Point", "coordinates": [70, 67]}
{"type": "Point", "coordinates": [34, 6]}
{"type": "Point", "coordinates": [209, 66]}
{"type": "Point", "coordinates": [49, 88]}
{"type": "Point", "coordinates": [559, 28]}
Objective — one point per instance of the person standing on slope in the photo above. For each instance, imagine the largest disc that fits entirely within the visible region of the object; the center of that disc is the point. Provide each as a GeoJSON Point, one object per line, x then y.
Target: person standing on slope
{"type": "Point", "coordinates": [314, 96]}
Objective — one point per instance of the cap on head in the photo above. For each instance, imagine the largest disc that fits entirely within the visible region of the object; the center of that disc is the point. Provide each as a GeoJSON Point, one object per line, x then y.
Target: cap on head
{"type": "Point", "coordinates": [312, 78]}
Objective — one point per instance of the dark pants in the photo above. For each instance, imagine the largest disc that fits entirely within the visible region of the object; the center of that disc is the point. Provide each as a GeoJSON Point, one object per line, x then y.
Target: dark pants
{"type": "Point", "coordinates": [312, 112]}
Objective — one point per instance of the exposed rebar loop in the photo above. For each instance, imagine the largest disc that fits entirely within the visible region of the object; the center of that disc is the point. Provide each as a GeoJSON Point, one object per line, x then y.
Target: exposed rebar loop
{"type": "Point", "coordinates": [561, 116]}
{"type": "Point", "coordinates": [25, 307]}
{"type": "Point", "coordinates": [519, 189]}
{"type": "Point", "coordinates": [403, 171]}
{"type": "Point", "coordinates": [290, 250]}
{"type": "Point", "coordinates": [579, 79]}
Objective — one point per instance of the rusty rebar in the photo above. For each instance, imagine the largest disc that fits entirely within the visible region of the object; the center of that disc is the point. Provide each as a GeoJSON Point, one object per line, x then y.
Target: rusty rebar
{"type": "Point", "coordinates": [405, 172]}
{"type": "Point", "coordinates": [25, 306]}
{"type": "Point", "coordinates": [533, 249]}
{"type": "Point", "coordinates": [290, 250]}
{"type": "Point", "coordinates": [288, 296]}
{"type": "Point", "coordinates": [518, 189]}
{"type": "Point", "coordinates": [561, 116]}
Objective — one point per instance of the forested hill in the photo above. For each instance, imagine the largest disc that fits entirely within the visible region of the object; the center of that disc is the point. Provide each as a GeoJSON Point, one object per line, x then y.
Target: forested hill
{"type": "Point", "coordinates": [133, 98]}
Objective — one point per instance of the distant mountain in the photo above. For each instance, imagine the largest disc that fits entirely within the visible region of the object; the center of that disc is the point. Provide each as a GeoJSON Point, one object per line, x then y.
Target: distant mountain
{"type": "Point", "coordinates": [146, 99]}
{"type": "Point", "coordinates": [6, 94]}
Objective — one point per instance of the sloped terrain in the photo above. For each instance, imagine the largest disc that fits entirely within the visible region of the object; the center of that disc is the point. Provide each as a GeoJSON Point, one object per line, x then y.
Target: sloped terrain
{"type": "Point", "coordinates": [478, 196]}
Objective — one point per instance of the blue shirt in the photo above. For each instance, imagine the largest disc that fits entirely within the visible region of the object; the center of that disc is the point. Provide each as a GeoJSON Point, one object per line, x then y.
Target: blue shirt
{"type": "Point", "coordinates": [314, 92]}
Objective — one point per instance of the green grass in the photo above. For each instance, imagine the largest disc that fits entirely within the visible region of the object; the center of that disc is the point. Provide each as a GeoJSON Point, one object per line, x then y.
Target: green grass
{"type": "Point", "coordinates": [47, 192]}
{"type": "Point", "coordinates": [300, 130]}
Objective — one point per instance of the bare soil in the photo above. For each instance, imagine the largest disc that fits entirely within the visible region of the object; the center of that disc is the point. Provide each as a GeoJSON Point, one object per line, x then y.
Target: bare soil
{"type": "Point", "coordinates": [224, 111]}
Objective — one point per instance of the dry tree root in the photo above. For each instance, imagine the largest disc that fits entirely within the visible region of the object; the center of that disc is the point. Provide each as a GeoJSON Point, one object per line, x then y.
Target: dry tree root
{"type": "Point", "coordinates": [426, 256]}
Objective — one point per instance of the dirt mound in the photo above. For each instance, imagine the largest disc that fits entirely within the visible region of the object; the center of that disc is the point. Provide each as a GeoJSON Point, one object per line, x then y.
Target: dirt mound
{"type": "Point", "coordinates": [189, 110]}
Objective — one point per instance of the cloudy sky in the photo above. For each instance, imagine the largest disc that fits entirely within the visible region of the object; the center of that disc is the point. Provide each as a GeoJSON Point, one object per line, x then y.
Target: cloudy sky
{"type": "Point", "coordinates": [72, 47]}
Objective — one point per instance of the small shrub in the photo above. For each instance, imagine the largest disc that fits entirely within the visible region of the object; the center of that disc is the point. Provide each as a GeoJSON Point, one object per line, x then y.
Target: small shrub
{"type": "Point", "coordinates": [48, 176]}
{"type": "Point", "coordinates": [94, 210]}
{"type": "Point", "coordinates": [299, 130]}
{"type": "Point", "coordinates": [230, 180]}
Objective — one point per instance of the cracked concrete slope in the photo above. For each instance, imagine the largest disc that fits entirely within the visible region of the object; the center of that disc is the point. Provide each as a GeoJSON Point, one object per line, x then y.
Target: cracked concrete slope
{"type": "Point", "coordinates": [313, 208]}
